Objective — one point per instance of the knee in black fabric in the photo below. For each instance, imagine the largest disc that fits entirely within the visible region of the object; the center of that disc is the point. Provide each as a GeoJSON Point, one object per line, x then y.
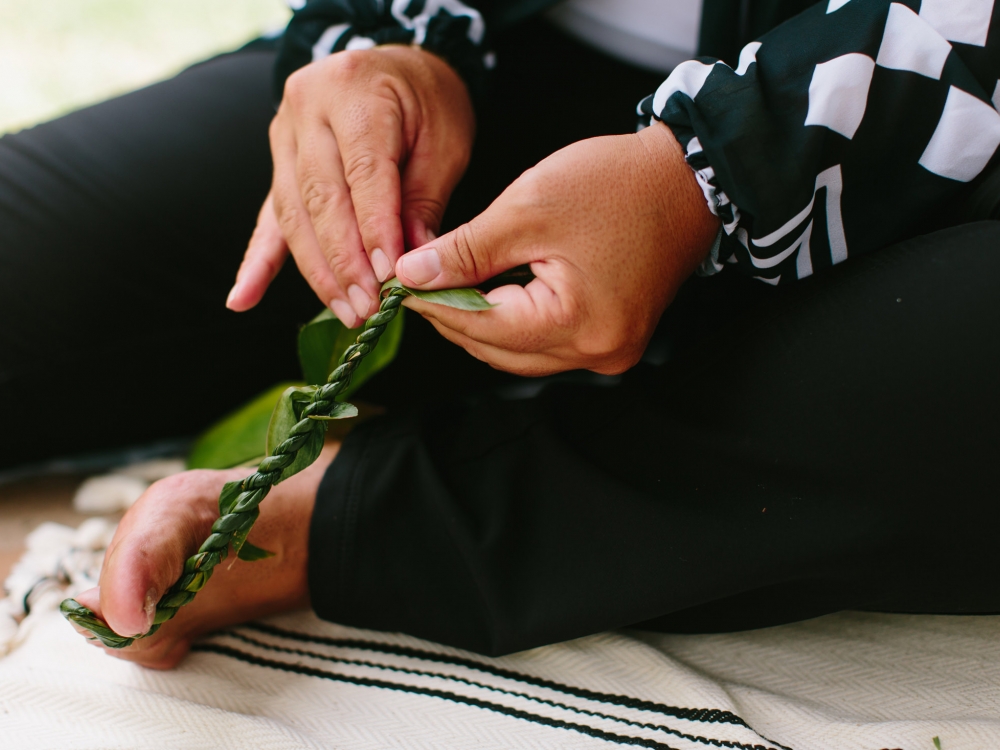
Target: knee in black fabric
{"type": "Point", "coordinates": [830, 448]}
{"type": "Point", "coordinates": [121, 229]}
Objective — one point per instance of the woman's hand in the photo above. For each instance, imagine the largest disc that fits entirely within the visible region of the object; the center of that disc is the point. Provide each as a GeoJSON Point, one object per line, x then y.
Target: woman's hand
{"type": "Point", "coordinates": [611, 227]}
{"type": "Point", "coordinates": [167, 525]}
{"type": "Point", "coordinates": [367, 147]}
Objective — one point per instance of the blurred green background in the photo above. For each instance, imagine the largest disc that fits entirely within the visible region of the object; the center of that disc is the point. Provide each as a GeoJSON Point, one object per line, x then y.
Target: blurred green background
{"type": "Point", "coordinates": [57, 55]}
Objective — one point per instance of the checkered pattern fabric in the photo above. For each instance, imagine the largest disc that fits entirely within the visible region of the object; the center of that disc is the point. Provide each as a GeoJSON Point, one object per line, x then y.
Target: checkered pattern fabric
{"type": "Point", "coordinates": [852, 126]}
{"type": "Point", "coordinates": [449, 28]}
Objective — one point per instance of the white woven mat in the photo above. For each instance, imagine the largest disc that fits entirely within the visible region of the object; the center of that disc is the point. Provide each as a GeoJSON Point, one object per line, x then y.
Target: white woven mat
{"type": "Point", "coordinates": [840, 682]}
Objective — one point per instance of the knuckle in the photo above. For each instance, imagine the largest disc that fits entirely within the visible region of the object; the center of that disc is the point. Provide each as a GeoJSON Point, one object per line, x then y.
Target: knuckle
{"type": "Point", "coordinates": [317, 195]}
{"type": "Point", "coordinates": [317, 281]}
{"type": "Point", "coordinates": [347, 64]}
{"type": "Point", "coordinates": [342, 264]}
{"type": "Point", "coordinates": [372, 227]}
{"type": "Point", "coordinates": [274, 129]}
{"type": "Point", "coordinates": [532, 188]}
{"type": "Point", "coordinates": [467, 258]}
{"type": "Point", "coordinates": [360, 166]}
{"type": "Point", "coordinates": [427, 210]}
{"type": "Point", "coordinates": [289, 218]}
{"type": "Point", "coordinates": [297, 87]}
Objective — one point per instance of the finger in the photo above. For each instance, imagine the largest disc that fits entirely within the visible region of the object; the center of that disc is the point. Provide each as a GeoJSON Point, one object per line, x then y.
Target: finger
{"type": "Point", "coordinates": [527, 365]}
{"type": "Point", "coordinates": [297, 228]}
{"type": "Point", "coordinates": [371, 170]}
{"type": "Point", "coordinates": [428, 182]}
{"type": "Point", "coordinates": [264, 257]}
{"type": "Point", "coordinates": [328, 200]}
{"type": "Point", "coordinates": [526, 320]}
{"type": "Point", "coordinates": [466, 256]}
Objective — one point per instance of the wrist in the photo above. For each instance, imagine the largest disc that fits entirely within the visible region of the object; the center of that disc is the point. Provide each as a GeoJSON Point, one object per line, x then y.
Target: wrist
{"type": "Point", "coordinates": [432, 77]}
{"type": "Point", "coordinates": [690, 223]}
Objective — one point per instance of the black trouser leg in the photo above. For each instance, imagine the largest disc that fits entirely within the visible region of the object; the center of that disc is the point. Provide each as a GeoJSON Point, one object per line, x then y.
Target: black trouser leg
{"type": "Point", "coordinates": [828, 446]}
{"type": "Point", "coordinates": [121, 228]}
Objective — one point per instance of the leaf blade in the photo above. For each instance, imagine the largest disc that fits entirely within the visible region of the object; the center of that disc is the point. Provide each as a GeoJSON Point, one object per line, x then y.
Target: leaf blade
{"type": "Point", "coordinates": [460, 299]}
{"type": "Point", "coordinates": [252, 553]}
{"type": "Point", "coordinates": [239, 436]}
{"type": "Point", "coordinates": [340, 410]}
{"type": "Point", "coordinates": [320, 340]}
{"type": "Point", "coordinates": [287, 413]}
{"type": "Point", "coordinates": [227, 498]}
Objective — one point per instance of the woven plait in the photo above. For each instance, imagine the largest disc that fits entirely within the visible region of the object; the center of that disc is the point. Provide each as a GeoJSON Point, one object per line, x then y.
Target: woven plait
{"type": "Point", "coordinates": [243, 511]}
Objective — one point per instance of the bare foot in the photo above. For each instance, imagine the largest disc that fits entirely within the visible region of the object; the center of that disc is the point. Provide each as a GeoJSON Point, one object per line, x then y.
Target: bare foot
{"type": "Point", "coordinates": [167, 525]}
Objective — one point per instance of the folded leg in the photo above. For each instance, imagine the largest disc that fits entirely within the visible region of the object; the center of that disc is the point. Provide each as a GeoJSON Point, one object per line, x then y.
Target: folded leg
{"type": "Point", "coordinates": [801, 451]}
{"type": "Point", "coordinates": [121, 228]}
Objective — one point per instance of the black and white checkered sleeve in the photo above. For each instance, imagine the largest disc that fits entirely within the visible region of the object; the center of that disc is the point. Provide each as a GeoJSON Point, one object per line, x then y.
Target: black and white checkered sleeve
{"type": "Point", "coordinates": [850, 127]}
{"type": "Point", "coordinates": [448, 28]}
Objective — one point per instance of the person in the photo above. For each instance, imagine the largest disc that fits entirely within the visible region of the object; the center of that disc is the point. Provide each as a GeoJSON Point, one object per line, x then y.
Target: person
{"type": "Point", "coordinates": [739, 455]}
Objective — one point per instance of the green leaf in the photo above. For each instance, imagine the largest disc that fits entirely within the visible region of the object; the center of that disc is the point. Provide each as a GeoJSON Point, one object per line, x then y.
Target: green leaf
{"type": "Point", "coordinates": [319, 340]}
{"type": "Point", "coordinates": [937, 742]}
{"type": "Point", "coordinates": [340, 410]}
{"type": "Point", "coordinates": [227, 498]}
{"type": "Point", "coordinates": [252, 553]}
{"type": "Point", "coordinates": [286, 414]}
{"type": "Point", "coordinates": [323, 340]}
{"type": "Point", "coordinates": [239, 436]}
{"type": "Point", "coordinates": [239, 537]}
{"type": "Point", "coordinates": [460, 299]}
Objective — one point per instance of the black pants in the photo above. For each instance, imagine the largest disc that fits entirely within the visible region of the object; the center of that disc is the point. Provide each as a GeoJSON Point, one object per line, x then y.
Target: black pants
{"type": "Point", "coordinates": [779, 454]}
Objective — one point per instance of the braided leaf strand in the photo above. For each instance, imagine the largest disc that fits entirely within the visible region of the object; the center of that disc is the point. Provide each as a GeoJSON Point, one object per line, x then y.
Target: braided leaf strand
{"type": "Point", "coordinates": [239, 501]}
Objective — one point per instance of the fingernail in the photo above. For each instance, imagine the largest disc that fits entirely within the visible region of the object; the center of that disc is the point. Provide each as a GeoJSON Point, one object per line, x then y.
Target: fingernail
{"type": "Point", "coordinates": [232, 293]}
{"type": "Point", "coordinates": [422, 266]}
{"type": "Point", "coordinates": [149, 607]}
{"type": "Point", "coordinates": [381, 264]}
{"type": "Point", "coordinates": [359, 300]}
{"type": "Point", "coordinates": [344, 312]}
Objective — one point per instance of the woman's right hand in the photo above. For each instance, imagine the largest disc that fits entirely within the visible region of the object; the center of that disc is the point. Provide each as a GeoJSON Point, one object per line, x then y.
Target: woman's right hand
{"type": "Point", "coordinates": [367, 147]}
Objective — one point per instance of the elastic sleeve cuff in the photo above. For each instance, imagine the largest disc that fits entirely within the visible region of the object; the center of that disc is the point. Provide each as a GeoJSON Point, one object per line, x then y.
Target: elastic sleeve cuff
{"type": "Point", "coordinates": [456, 33]}
{"type": "Point", "coordinates": [715, 196]}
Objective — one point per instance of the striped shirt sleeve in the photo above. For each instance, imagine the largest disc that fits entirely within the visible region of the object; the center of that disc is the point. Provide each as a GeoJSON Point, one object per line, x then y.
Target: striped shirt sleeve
{"type": "Point", "coordinates": [448, 28]}
{"type": "Point", "coordinates": [852, 126]}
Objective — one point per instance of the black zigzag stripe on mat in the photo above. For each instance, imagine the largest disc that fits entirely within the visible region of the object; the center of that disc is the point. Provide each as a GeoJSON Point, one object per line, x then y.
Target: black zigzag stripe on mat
{"type": "Point", "coordinates": [492, 688]}
{"type": "Point", "coordinates": [442, 694]}
{"type": "Point", "coordinates": [703, 715]}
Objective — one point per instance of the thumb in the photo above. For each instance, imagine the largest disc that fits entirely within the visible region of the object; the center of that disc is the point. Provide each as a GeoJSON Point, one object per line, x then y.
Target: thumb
{"type": "Point", "coordinates": [264, 257]}
{"type": "Point", "coordinates": [466, 256]}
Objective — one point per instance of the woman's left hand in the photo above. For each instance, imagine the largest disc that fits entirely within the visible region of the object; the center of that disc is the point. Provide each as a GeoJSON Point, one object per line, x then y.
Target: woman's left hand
{"type": "Point", "coordinates": [611, 226]}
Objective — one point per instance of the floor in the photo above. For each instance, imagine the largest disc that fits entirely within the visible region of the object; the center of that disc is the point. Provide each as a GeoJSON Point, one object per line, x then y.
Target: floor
{"type": "Point", "coordinates": [29, 502]}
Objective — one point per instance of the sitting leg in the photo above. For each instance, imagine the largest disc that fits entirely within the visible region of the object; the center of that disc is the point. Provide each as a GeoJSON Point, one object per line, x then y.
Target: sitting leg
{"type": "Point", "coordinates": [121, 228]}
{"type": "Point", "coordinates": [823, 447]}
